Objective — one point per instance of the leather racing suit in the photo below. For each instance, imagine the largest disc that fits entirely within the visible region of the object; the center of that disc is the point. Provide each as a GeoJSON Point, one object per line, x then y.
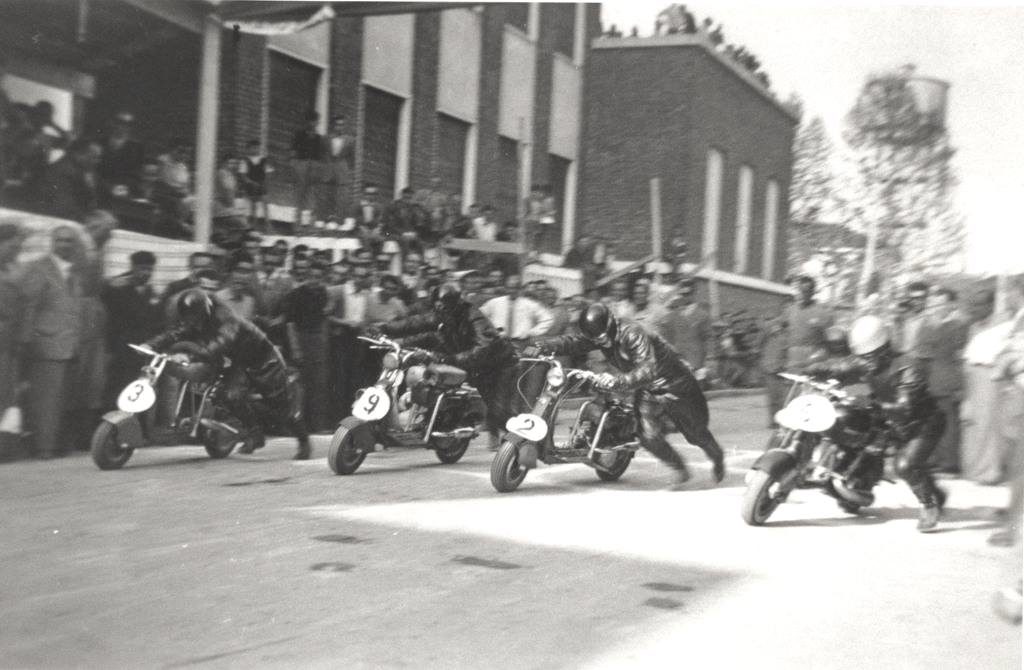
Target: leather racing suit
{"type": "Point", "coordinates": [662, 385]}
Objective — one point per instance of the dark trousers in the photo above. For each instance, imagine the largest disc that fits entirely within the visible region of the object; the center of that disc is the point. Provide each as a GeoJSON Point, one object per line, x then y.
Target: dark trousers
{"type": "Point", "coordinates": [269, 379]}
{"type": "Point", "coordinates": [912, 463]}
{"type": "Point", "coordinates": [946, 457]}
{"type": "Point", "coordinates": [497, 389]}
{"type": "Point", "coordinates": [778, 389]}
{"type": "Point", "coordinates": [314, 373]}
{"type": "Point", "coordinates": [686, 408]}
{"type": "Point", "coordinates": [46, 397]}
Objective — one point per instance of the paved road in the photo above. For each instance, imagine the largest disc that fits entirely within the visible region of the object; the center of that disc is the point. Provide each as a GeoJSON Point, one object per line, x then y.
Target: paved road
{"type": "Point", "coordinates": [178, 561]}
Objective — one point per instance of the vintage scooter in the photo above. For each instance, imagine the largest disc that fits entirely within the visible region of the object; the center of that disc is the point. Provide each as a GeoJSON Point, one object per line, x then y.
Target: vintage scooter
{"type": "Point", "coordinates": [603, 434]}
{"type": "Point", "coordinates": [827, 437]}
{"type": "Point", "coordinates": [437, 410]}
{"type": "Point", "coordinates": [196, 414]}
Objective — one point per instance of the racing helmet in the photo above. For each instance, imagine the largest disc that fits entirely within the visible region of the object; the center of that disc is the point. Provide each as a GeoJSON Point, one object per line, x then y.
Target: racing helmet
{"type": "Point", "coordinates": [868, 334]}
{"type": "Point", "coordinates": [195, 308]}
{"type": "Point", "coordinates": [447, 297]}
{"type": "Point", "coordinates": [596, 320]}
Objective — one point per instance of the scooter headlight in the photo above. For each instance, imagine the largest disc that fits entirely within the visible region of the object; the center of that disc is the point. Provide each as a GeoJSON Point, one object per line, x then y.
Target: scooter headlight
{"type": "Point", "coordinates": [556, 377]}
{"type": "Point", "coordinates": [390, 361]}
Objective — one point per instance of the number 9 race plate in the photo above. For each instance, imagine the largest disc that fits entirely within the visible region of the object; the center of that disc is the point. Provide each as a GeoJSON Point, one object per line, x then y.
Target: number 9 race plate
{"type": "Point", "coordinates": [372, 404]}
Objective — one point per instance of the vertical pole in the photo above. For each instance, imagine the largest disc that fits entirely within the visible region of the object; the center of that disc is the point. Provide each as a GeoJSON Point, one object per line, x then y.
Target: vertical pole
{"type": "Point", "coordinates": [206, 135]}
{"type": "Point", "coordinates": [656, 241]}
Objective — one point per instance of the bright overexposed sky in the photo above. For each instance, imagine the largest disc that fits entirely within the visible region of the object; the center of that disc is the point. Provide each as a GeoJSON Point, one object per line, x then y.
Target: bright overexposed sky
{"type": "Point", "coordinates": [824, 52]}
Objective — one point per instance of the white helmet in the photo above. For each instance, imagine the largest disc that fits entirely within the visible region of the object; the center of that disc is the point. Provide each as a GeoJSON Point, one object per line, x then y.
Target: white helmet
{"type": "Point", "coordinates": [868, 334]}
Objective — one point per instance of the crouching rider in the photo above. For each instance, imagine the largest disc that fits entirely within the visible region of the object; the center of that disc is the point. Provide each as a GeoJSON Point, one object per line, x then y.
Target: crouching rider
{"type": "Point", "coordinates": [255, 364]}
{"type": "Point", "coordinates": [662, 384]}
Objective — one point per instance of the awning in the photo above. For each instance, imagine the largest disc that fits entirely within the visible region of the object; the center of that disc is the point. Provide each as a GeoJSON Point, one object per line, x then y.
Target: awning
{"type": "Point", "coordinates": [280, 17]}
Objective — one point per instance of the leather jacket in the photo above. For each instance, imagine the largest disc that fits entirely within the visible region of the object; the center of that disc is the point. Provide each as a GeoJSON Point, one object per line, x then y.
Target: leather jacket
{"type": "Point", "coordinates": [645, 359]}
{"type": "Point", "coordinates": [901, 388]}
{"type": "Point", "coordinates": [467, 339]}
{"type": "Point", "coordinates": [228, 336]}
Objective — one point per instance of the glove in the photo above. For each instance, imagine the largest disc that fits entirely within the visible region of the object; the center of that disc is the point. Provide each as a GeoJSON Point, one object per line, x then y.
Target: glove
{"type": "Point", "coordinates": [700, 374]}
{"type": "Point", "coordinates": [420, 358]}
{"type": "Point", "coordinates": [180, 359]}
{"type": "Point", "coordinates": [375, 329]}
{"type": "Point", "coordinates": [605, 381]}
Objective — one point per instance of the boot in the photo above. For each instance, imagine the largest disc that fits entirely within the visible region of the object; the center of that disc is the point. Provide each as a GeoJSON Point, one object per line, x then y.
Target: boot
{"type": "Point", "coordinates": [682, 476]}
{"type": "Point", "coordinates": [929, 517]}
{"type": "Point", "coordinates": [718, 469]}
{"type": "Point", "coordinates": [304, 452]}
{"type": "Point", "coordinates": [253, 441]}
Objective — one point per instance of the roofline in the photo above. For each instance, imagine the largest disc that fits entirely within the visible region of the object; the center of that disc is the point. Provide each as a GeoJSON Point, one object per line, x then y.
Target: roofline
{"type": "Point", "coordinates": [700, 40]}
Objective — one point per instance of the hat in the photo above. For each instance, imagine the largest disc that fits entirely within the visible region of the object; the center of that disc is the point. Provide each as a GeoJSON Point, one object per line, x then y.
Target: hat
{"type": "Point", "coordinates": [142, 258]}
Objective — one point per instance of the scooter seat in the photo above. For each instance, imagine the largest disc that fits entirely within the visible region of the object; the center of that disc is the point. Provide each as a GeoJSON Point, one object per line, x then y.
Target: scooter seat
{"type": "Point", "coordinates": [447, 376]}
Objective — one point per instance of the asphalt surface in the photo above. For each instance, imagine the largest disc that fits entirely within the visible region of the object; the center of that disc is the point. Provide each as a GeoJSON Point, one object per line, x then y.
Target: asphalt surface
{"type": "Point", "coordinates": [178, 561]}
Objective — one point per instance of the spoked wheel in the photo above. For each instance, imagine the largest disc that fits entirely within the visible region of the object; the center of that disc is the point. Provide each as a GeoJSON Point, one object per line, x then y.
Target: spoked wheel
{"type": "Point", "coordinates": [450, 449]}
{"type": "Point", "coordinates": [506, 474]}
{"type": "Point", "coordinates": [106, 450]}
{"type": "Point", "coordinates": [758, 501]}
{"type": "Point", "coordinates": [617, 466]}
{"type": "Point", "coordinates": [349, 446]}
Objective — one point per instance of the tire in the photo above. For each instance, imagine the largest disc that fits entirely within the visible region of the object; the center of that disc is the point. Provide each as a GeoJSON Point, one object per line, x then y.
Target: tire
{"type": "Point", "coordinates": [451, 449]}
{"type": "Point", "coordinates": [848, 507]}
{"type": "Point", "coordinates": [218, 443]}
{"type": "Point", "coordinates": [349, 446]}
{"type": "Point", "coordinates": [616, 470]}
{"type": "Point", "coordinates": [758, 504]}
{"type": "Point", "coordinates": [106, 453]}
{"type": "Point", "coordinates": [506, 475]}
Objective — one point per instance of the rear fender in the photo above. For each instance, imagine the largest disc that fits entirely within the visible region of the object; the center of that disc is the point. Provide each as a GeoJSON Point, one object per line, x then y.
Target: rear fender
{"type": "Point", "coordinates": [776, 462]}
{"type": "Point", "coordinates": [129, 430]}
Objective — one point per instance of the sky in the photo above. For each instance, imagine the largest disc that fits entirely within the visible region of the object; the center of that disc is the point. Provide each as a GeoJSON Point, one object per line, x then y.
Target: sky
{"type": "Point", "coordinates": [824, 52]}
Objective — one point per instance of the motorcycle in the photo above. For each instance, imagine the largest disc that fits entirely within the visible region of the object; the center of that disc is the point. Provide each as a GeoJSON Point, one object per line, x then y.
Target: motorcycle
{"type": "Point", "coordinates": [827, 438]}
{"type": "Point", "coordinates": [196, 413]}
{"type": "Point", "coordinates": [603, 434]}
{"type": "Point", "coordinates": [436, 411]}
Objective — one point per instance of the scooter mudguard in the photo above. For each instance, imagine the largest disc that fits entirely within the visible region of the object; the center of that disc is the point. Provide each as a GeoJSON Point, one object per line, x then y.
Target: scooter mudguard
{"type": "Point", "coordinates": [527, 454]}
{"type": "Point", "coordinates": [775, 462]}
{"type": "Point", "coordinates": [129, 430]}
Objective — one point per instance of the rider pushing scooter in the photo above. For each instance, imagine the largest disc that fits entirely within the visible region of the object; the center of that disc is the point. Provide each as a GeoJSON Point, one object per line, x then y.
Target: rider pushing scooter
{"type": "Point", "coordinates": [661, 382]}
{"type": "Point", "coordinates": [255, 363]}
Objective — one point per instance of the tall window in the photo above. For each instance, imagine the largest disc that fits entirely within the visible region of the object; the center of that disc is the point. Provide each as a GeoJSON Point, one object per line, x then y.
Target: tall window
{"type": "Point", "coordinates": [380, 139]}
{"type": "Point", "coordinates": [743, 203]}
{"type": "Point", "coordinates": [451, 158]}
{"type": "Point", "coordinates": [771, 222]}
{"type": "Point", "coordinates": [712, 209]}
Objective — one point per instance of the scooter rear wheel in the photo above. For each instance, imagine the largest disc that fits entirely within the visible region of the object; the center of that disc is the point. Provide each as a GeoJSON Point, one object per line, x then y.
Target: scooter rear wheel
{"type": "Point", "coordinates": [617, 468]}
{"type": "Point", "coordinates": [106, 453]}
{"type": "Point", "coordinates": [450, 450]}
{"type": "Point", "coordinates": [349, 445]}
{"type": "Point", "coordinates": [506, 473]}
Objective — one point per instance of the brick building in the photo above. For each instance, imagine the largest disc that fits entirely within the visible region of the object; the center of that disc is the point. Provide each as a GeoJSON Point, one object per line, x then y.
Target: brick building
{"type": "Point", "coordinates": [483, 99]}
{"type": "Point", "coordinates": [674, 108]}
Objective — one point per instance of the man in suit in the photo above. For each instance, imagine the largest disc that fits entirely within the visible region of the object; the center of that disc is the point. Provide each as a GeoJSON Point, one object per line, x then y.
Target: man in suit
{"type": "Point", "coordinates": [340, 158]}
{"type": "Point", "coordinates": [50, 333]}
{"type": "Point", "coordinates": [692, 330]}
{"type": "Point", "coordinates": [122, 154]}
{"type": "Point", "coordinates": [69, 189]}
{"type": "Point", "coordinates": [947, 338]}
{"type": "Point", "coordinates": [132, 305]}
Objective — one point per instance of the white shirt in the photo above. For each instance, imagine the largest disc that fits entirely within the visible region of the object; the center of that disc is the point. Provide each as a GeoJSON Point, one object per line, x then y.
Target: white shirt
{"type": "Point", "coordinates": [530, 318]}
{"type": "Point", "coordinates": [485, 230]}
{"type": "Point", "coordinates": [355, 307]}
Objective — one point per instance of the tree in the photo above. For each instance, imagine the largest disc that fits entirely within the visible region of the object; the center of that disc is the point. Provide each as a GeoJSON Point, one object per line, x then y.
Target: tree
{"type": "Point", "coordinates": [903, 160]}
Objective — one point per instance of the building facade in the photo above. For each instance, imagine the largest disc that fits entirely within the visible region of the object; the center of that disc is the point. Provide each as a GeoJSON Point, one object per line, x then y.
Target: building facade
{"type": "Point", "coordinates": [671, 107]}
{"type": "Point", "coordinates": [479, 100]}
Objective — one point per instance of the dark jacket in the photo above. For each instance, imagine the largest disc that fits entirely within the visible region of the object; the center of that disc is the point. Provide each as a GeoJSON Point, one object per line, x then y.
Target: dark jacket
{"type": "Point", "coordinates": [229, 336]}
{"type": "Point", "coordinates": [134, 312]}
{"type": "Point", "coordinates": [468, 341]}
{"type": "Point", "coordinates": [901, 388]}
{"type": "Point", "coordinates": [645, 359]}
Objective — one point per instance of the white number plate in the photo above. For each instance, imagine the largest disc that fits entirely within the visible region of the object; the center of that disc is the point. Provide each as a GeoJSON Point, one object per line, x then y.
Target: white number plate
{"type": "Point", "coordinates": [372, 404]}
{"type": "Point", "coordinates": [136, 397]}
{"type": "Point", "coordinates": [528, 426]}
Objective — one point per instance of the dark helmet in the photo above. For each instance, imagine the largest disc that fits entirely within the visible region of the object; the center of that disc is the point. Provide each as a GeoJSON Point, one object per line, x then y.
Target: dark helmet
{"type": "Point", "coordinates": [596, 321]}
{"type": "Point", "coordinates": [446, 297]}
{"type": "Point", "coordinates": [195, 307]}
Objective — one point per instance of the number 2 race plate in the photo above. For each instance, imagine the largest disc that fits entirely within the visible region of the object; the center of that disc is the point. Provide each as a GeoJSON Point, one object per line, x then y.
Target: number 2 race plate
{"type": "Point", "coordinates": [372, 404]}
{"type": "Point", "coordinates": [528, 426]}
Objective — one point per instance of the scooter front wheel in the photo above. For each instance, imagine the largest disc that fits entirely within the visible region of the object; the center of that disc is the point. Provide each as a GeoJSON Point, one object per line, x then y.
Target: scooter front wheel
{"type": "Point", "coordinates": [758, 501]}
{"type": "Point", "coordinates": [506, 473]}
{"type": "Point", "coordinates": [107, 452]}
{"type": "Point", "coordinates": [349, 445]}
